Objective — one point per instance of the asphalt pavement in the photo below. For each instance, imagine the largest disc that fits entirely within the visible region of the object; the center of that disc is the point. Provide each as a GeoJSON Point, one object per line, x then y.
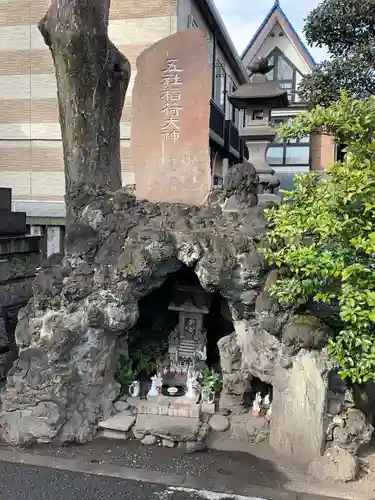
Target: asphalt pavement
{"type": "Point", "coordinates": [105, 470]}
{"type": "Point", "coordinates": [22, 482]}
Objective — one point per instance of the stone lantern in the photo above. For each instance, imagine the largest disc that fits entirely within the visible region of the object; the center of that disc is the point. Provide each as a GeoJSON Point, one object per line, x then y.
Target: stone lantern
{"type": "Point", "coordinates": [257, 98]}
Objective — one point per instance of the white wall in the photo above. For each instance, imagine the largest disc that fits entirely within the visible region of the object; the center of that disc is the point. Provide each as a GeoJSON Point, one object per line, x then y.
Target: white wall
{"type": "Point", "coordinates": [286, 46]}
{"type": "Point", "coordinates": [200, 21]}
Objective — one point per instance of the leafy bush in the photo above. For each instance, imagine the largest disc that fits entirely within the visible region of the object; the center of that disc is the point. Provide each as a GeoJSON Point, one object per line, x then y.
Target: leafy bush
{"type": "Point", "coordinates": [347, 31]}
{"type": "Point", "coordinates": [211, 379]}
{"type": "Point", "coordinates": [124, 373]}
{"type": "Point", "coordinates": [323, 237]}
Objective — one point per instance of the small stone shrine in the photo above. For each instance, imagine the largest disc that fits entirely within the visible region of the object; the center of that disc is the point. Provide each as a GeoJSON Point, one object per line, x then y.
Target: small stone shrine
{"type": "Point", "coordinates": [258, 98]}
{"type": "Point", "coordinates": [19, 260]}
{"type": "Point", "coordinates": [187, 342]}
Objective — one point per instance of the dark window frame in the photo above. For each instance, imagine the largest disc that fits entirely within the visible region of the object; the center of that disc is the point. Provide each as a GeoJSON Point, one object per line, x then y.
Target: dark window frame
{"type": "Point", "coordinates": [235, 115]}
{"type": "Point", "coordinates": [223, 95]}
{"type": "Point", "coordinates": [286, 145]}
{"type": "Point", "coordinates": [276, 53]}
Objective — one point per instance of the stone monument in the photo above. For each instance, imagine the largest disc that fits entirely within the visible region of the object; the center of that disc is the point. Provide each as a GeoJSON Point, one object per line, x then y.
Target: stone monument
{"type": "Point", "coordinates": [170, 125]}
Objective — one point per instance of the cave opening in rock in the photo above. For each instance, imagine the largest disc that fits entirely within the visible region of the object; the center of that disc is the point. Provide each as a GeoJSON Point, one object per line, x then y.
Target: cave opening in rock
{"type": "Point", "coordinates": [259, 389]}
{"type": "Point", "coordinates": [176, 323]}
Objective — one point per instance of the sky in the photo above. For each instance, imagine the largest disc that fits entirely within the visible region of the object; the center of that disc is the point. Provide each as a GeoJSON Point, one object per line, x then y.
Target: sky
{"type": "Point", "coordinates": [243, 17]}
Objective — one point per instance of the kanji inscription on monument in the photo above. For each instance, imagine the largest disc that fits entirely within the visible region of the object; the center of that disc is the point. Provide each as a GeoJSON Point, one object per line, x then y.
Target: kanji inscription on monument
{"type": "Point", "coordinates": [170, 125]}
{"type": "Point", "coordinates": [171, 96]}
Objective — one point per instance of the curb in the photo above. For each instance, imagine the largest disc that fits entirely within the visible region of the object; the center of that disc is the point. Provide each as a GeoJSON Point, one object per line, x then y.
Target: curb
{"type": "Point", "coordinates": [176, 482]}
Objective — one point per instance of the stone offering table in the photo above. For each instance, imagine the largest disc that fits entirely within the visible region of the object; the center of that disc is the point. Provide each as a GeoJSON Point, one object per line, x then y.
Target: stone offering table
{"type": "Point", "coordinates": [171, 420]}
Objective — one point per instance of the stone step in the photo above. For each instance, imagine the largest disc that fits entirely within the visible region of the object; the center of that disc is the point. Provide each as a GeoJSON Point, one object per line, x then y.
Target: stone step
{"type": "Point", "coordinates": [174, 428]}
{"type": "Point", "coordinates": [12, 223]}
{"type": "Point", "coordinates": [121, 422]}
{"type": "Point", "coordinates": [5, 199]}
{"type": "Point", "coordinates": [109, 434]}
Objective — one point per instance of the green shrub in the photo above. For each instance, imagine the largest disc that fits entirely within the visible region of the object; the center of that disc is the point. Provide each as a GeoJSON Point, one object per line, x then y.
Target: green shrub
{"type": "Point", "coordinates": [323, 237]}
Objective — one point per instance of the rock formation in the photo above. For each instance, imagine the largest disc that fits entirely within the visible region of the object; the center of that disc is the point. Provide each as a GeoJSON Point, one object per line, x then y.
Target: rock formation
{"type": "Point", "coordinates": [118, 251]}
{"type": "Point", "coordinates": [121, 249]}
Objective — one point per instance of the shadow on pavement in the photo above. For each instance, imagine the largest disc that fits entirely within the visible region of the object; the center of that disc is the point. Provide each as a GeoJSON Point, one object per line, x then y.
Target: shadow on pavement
{"type": "Point", "coordinates": [234, 469]}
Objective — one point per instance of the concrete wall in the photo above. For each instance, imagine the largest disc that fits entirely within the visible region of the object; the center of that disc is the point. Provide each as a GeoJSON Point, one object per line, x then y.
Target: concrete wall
{"type": "Point", "coordinates": [31, 160]}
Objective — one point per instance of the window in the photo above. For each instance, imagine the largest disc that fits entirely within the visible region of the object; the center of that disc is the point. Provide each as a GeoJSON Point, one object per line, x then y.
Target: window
{"type": "Point", "coordinates": [283, 72]}
{"type": "Point", "coordinates": [275, 155]}
{"type": "Point", "coordinates": [220, 83]}
{"type": "Point", "coordinates": [297, 155]}
{"type": "Point", "coordinates": [289, 155]}
{"type": "Point", "coordinates": [210, 39]}
{"type": "Point", "coordinates": [235, 113]}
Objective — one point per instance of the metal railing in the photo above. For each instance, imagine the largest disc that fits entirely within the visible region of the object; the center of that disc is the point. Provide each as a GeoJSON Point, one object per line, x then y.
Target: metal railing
{"type": "Point", "coordinates": [234, 136]}
{"type": "Point", "coordinates": [217, 120]}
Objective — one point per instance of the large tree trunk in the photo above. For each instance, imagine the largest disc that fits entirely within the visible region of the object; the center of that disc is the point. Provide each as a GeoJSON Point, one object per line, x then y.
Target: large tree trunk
{"type": "Point", "coordinates": [92, 79]}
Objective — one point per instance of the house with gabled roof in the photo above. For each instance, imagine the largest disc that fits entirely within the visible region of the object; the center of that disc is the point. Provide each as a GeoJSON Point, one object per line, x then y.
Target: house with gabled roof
{"type": "Point", "coordinates": [278, 41]}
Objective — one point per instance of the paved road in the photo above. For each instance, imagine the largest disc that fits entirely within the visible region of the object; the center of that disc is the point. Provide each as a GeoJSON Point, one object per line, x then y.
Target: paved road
{"type": "Point", "coordinates": [23, 482]}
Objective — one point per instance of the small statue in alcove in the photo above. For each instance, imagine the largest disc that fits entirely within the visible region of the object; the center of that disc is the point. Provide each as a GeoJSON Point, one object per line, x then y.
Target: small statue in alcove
{"type": "Point", "coordinates": [192, 384]}
{"type": "Point", "coordinates": [190, 330]}
{"type": "Point", "coordinates": [261, 406]}
{"type": "Point", "coordinates": [265, 406]}
{"type": "Point", "coordinates": [257, 404]}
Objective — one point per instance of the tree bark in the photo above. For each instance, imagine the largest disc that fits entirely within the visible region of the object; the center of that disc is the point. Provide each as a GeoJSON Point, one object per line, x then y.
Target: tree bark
{"type": "Point", "coordinates": [92, 79]}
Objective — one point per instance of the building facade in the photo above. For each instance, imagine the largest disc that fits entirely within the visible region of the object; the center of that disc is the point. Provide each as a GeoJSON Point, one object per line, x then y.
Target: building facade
{"type": "Point", "coordinates": [31, 158]}
{"type": "Point", "coordinates": [277, 41]}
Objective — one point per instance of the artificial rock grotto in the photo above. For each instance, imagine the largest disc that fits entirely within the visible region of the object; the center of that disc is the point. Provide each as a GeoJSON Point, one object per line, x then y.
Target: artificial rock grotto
{"type": "Point", "coordinates": [119, 251]}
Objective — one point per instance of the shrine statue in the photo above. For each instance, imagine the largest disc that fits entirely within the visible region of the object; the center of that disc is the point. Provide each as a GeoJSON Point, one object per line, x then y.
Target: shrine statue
{"type": "Point", "coordinates": [187, 341]}
{"type": "Point", "coordinates": [190, 330]}
{"type": "Point", "coordinates": [192, 385]}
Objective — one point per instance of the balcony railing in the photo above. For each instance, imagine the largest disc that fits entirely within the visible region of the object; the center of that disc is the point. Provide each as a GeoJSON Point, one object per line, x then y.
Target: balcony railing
{"type": "Point", "coordinates": [217, 120]}
{"type": "Point", "coordinates": [232, 138]}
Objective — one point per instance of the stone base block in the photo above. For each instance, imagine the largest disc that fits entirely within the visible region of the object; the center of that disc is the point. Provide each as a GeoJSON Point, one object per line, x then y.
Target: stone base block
{"type": "Point", "coordinates": [208, 408]}
{"type": "Point", "coordinates": [171, 407]}
{"type": "Point", "coordinates": [120, 422]}
{"type": "Point", "coordinates": [189, 410]}
{"type": "Point", "coordinates": [109, 434]}
{"type": "Point", "coordinates": [179, 429]}
{"type": "Point", "coordinates": [153, 407]}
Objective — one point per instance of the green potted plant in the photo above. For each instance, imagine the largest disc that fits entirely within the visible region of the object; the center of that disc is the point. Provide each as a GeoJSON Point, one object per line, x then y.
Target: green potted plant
{"type": "Point", "coordinates": [211, 382]}
{"type": "Point", "coordinates": [124, 374]}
